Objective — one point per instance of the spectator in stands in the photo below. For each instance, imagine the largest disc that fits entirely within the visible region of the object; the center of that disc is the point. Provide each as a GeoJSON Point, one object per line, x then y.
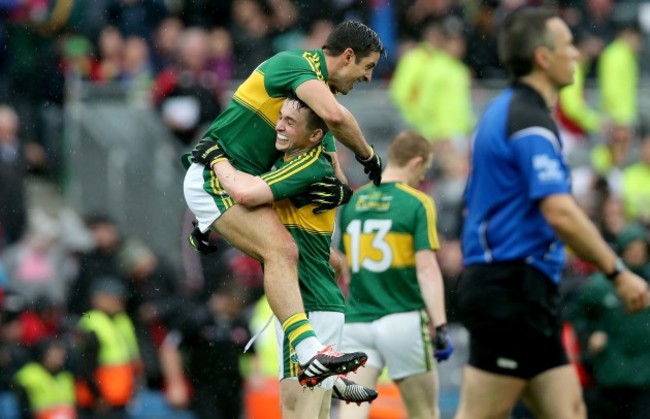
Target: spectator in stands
{"type": "Point", "coordinates": [404, 88]}
{"type": "Point", "coordinates": [250, 28]}
{"type": "Point", "coordinates": [576, 118]}
{"type": "Point", "coordinates": [108, 355]}
{"type": "Point", "coordinates": [483, 57]}
{"type": "Point", "coordinates": [618, 82]}
{"type": "Point", "coordinates": [222, 57]}
{"type": "Point", "coordinates": [137, 73]}
{"type": "Point", "coordinates": [617, 344]}
{"type": "Point", "coordinates": [135, 18]}
{"type": "Point", "coordinates": [187, 93]}
{"type": "Point", "coordinates": [110, 51]}
{"type": "Point", "coordinates": [100, 261]}
{"type": "Point", "coordinates": [165, 41]}
{"type": "Point", "coordinates": [598, 19]}
{"type": "Point", "coordinates": [210, 338]}
{"type": "Point", "coordinates": [36, 265]}
{"type": "Point", "coordinates": [152, 301]}
{"type": "Point", "coordinates": [432, 87]}
{"type": "Point", "coordinates": [44, 387]}
{"type": "Point", "coordinates": [636, 183]}
{"type": "Point", "coordinates": [13, 170]}
{"type": "Point", "coordinates": [13, 354]}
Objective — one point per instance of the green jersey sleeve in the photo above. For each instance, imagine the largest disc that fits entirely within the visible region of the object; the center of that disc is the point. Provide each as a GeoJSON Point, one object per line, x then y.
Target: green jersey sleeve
{"type": "Point", "coordinates": [293, 177]}
{"type": "Point", "coordinates": [290, 69]}
{"type": "Point", "coordinates": [425, 234]}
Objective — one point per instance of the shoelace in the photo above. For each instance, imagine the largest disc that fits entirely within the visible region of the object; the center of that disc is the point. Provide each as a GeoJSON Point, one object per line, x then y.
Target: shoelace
{"type": "Point", "coordinates": [257, 335]}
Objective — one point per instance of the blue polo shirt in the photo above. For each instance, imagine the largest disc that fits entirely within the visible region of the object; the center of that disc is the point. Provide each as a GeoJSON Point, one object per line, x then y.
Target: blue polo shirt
{"type": "Point", "coordinates": [516, 161]}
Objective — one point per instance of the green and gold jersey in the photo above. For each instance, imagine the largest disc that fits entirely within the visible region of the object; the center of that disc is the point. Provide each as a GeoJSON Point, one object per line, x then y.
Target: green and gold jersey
{"type": "Point", "coordinates": [246, 128]}
{"type": "Point", "coordinates": [382, 228]}
{"type": "Point", "coordinates": [312, 232]}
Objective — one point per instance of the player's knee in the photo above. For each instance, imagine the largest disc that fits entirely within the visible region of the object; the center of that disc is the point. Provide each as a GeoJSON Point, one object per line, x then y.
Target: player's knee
{"type": "Point", "coordinates": [286, 250]}
{"type": "Point", "coordinates": [579, 409]}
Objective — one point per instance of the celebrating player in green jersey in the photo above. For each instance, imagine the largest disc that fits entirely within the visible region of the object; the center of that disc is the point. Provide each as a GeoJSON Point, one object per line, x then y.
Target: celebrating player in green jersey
{"type": "Point", "coordinates": [299, 135]}
{"type": "Point", "coordinates": [396, 290]}
{"type": "Point", "coordinates": [245, 131]}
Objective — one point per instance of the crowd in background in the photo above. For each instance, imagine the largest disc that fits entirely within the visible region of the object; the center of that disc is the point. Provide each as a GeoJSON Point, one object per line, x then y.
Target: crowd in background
{"type": "Point", "coordinates": [181, 57]}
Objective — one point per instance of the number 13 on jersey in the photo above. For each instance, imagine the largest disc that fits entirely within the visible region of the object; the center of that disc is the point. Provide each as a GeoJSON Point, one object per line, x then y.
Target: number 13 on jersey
{"type": "Point", "coordinates": [368, 247]}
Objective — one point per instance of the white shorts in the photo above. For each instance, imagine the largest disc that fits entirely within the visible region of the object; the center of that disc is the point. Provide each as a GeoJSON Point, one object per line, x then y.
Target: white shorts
{"type": "Point", "coordinates": [200, 202]}
{"type": "Point", "coordinates": [328, 326]}
{"type": "Point", "coordinates": [398, 341]}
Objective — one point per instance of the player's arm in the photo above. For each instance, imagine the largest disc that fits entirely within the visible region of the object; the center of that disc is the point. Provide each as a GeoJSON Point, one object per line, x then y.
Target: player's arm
{"type": "Point", "coordinates": [343, 125]}
{"type": "Point", "coordinates": [244, 188]}
{"type": "Point", "coordinates": [338, 170]}
{"type": "Point", "coordinates": [431, 285]}
{"type": "Point", "coordinates": [573, 226]}
{"type": "Point", "coordinates": [340, 264]}
{"type": "Point", "coordinates": [339, 119]}
{"type": "Point", "coordinates": [433, 293]}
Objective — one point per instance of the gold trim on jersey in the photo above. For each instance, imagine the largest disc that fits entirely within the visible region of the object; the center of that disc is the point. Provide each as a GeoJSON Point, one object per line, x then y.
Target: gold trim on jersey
{"type": "Point", "coordinates": [401, 245]}
{"type": "Point", "coordinates": [253, 95]}
{"type": "Point", "coordinates": [295, 165]}
{"type": "Point", "coordinates": [304, 219]}
{"type": "Point", "coordinates": [314, 62]}
{"type": "Point", "coordinates": [430, 210]}
{"type": "Point", "coordinates": [218, 190]}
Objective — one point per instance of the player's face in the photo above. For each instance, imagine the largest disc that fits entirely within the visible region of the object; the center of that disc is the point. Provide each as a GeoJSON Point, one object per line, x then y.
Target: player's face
{"type": "Point", "coordinates": [353, 72]}
{"type": "Point", "coordinates": [562, 59]}
{"type": "Point", "coordinates": [293, 137]}
{"type": "Point", "coordinates": [421, 170]}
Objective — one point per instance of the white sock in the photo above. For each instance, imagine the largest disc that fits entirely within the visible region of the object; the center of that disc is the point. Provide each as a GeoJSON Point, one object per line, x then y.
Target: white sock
{"type": "Point", "coordinates": [307, 349]}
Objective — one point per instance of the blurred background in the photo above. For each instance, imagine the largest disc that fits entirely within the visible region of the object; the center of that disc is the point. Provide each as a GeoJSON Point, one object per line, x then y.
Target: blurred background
{"type": "Point", "coordinates": [99, 98]}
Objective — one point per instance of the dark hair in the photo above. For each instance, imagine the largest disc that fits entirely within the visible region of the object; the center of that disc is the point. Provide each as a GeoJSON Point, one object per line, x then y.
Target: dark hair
{"type": "Point", "coordinates": [523, 31]}
{"type": "Point", "coordinates": [313, 120]}
{"type": "Point", "coordinates": [355, 35]}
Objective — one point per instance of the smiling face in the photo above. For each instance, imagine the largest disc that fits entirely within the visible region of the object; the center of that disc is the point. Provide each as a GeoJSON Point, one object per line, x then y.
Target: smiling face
{"type": "Point", "coordinates": [352, 71]}
{"type": "Point", "coordinates": [294, 136]}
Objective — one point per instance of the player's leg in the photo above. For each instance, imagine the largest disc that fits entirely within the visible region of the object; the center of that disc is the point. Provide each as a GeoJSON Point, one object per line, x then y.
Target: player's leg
{"type": "Point", "coordinates": [298, 402]}
{"type": "Point", "coordinates": [485, 395]}
{"type": "Point", "coordinates": [259, 233]}
{"type": "Point", "coordinates": [555, 394]}
{"type": "Point", "coordinates": [360, 336]}
{"type": "Point", "coordinates": [420, 395]}
{"type": "Point", "coordinates": [404, 342]}
{"type": "Point", "coordinates": [366, 377]}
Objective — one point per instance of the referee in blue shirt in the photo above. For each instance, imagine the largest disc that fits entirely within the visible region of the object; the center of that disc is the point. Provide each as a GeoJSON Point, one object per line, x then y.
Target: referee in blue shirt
{"type": "Point", "coordinates": [519, 214]}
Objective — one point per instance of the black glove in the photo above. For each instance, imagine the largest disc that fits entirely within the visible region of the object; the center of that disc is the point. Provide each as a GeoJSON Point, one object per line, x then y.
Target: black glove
{"type": "Point", "coordinates": [329, 193]}
{"type": "Point", "coordinates": [442, 346]}
{"type": "Point", "coordinates": [372, 167]}
{"type": "Point", "coordinates": [207, 153]}
{"type": "Point", "coordinates": [201, 241]}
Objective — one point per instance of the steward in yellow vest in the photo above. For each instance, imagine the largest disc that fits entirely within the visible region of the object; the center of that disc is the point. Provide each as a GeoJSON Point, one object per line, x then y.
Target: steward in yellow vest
{"type": "Point", "coordinates": [110, 351]}
{"type": "Point", "coordinates": [44, 389]}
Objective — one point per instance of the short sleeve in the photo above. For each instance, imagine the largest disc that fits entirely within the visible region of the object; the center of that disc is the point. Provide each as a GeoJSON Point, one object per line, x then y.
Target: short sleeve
{"type": "Point", "coordinates": [425, 235]}
{"type": "Point", "coordinates": [539, 158]}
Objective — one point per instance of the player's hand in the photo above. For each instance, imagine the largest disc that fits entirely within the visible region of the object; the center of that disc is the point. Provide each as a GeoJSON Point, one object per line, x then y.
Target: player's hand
{"type": "Point", "coordinates": [632, 290]}
{"type": "Point", "coordinates": [328, 194]}
{"type": "Point", "coordinates": [372, 166]}
{"type": "Point", "coordinates": [201, 241]}
{"type": "Point", "coordinates": [207, 153]}
{"type": "Point", "coordinates": [442, 345]}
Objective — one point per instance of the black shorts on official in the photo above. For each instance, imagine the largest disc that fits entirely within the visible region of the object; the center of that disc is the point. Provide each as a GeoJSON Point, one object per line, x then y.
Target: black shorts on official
{"type": "Point", "coordinates": [511, 311]}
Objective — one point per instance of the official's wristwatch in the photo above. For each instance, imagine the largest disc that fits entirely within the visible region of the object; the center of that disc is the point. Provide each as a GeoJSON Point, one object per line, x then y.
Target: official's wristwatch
{"type": "Point", "coordinates": [619, 267]}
